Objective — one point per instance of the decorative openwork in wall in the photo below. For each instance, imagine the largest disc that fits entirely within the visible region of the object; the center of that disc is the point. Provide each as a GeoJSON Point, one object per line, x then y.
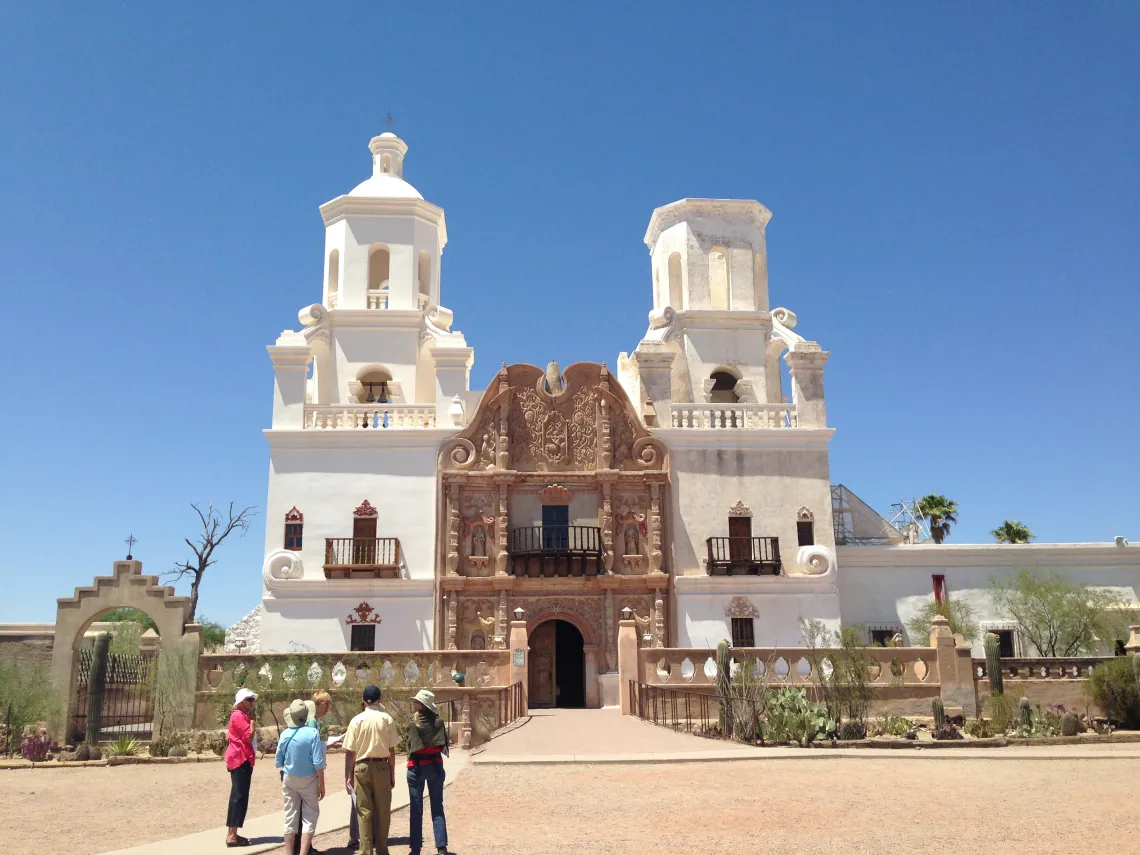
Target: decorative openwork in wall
{"type": "Point", "coordinates": [363, 614]}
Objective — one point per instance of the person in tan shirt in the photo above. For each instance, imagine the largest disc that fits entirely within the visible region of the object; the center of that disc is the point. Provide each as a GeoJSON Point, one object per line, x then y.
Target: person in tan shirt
{"type": "Point", "coordinates": [370, 769]}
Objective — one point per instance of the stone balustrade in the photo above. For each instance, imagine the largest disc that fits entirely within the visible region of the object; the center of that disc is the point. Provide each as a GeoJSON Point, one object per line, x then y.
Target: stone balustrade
{"type": "Point", "coordinates": [742, 416]}
{"type": "Point", "coordinates": [371, 416]}
{"type": "Point", "coordinates": [891, 667]}
{"type": "Point", "coordinates": [1043, 668]}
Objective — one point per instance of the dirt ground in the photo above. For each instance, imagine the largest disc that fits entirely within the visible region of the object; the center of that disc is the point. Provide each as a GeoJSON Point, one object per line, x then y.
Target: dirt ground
{"type": "Point", "coordinates": [848, 806]}
{"type": "Point", "coordinates": [840, 805]}
{"type": "Point", "coordinates": [97, 809]}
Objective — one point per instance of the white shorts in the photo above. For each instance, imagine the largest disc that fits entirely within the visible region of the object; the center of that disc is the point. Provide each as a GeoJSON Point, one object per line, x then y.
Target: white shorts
{"type": "Point", "coordinates": [301, 803]}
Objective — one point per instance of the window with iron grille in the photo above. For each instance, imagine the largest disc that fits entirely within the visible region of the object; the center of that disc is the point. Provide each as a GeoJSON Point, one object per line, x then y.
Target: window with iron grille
{"type": "Point", "coordinates": [293, 535]}
{"type": "Point", "coordinates": [363, 637]}
{"type": "Point", "coordinates": [743, 634]}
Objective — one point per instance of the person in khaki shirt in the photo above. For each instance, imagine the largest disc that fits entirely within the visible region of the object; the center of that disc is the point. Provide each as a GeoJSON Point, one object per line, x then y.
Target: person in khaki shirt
{"type": "Point", "coordinates": [370, 769]}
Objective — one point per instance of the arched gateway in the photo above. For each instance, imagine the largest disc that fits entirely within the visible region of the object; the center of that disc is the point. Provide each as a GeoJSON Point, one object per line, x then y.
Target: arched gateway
{"type": "Point", "coordinates": [552, 498]}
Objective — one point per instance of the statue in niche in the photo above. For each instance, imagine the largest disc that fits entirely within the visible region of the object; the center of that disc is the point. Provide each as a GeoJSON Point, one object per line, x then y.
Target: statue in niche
{"type": "Point", "coordinates": [488, 623]}
{"type": "Point", "coordinates": [479, 541]}
{"type": "Point", "coordinates": [632, 543]}
{"type": "Point", "coordinates": [554, 379]}
{"type": "Point", "coordinates": [478, 641]}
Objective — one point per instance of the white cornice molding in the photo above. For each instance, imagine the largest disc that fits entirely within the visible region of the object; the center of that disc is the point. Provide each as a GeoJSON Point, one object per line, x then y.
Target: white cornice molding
{"type": "Point", "coordinates": [922, 558]}
{"type": "Point", "coordinates": [366, 206]}
{"type": "Point", "coordinates": [377, 319]}
{"type": "Point", "coordinates": [741, 439]}
{"type": "Point", "coordinates": [755, 585]}
{"type": "Point", "coordinates": [670, 215]}
{"type": "Point", "coordinates": [708, 320]}
{"type": "Point", "coordinates": [351, 589]}
{"type": "Point", "coordinates": [379, 440]}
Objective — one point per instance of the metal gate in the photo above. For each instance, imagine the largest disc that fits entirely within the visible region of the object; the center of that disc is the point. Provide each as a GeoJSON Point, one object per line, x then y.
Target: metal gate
{"type": "Point", "coordinates": [128, 696]}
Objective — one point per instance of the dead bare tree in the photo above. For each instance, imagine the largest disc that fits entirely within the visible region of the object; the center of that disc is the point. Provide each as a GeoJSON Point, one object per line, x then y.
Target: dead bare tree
{"type": "Point", "coordinates": [214, 531]}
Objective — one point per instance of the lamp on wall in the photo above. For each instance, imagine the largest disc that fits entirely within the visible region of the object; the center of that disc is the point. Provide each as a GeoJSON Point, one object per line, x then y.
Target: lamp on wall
{"type": "Point", "coordinates": [627, 613]}
{"type": "Point", "coordinates": [519, 613]}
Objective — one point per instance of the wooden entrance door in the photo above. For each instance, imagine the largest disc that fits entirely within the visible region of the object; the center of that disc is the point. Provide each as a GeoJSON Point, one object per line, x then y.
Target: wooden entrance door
{"type": "Point", "coordinates": [541, 670]}
{"type": "Point", "coordinates": [364, 540]}
{"type": "Point", "coordinates": [739, 539]}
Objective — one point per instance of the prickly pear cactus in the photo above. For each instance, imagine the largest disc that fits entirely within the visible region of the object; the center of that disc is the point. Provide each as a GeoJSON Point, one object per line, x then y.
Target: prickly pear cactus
{"type": "Point", "coordinates": [993, 664]}
{"type": "Point", "coordinates": [939, 714]}
{"type": "Point", "coordinates": [724, 685]}
{"type": "Point", "coordinates": [1025, 714]}
{"type": "Point", "coordinates": [1070, 724]}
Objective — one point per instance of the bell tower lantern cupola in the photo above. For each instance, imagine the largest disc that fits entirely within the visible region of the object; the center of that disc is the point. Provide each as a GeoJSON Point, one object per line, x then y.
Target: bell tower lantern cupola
{"type": "Point", "coordinates": [388, 152]}
{"type": "Point", "coordinates": [383, 242]}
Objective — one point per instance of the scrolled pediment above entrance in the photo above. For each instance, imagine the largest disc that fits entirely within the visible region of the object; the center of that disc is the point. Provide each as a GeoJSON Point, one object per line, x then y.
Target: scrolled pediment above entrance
{"type": "Point", "coordinates": [573, 420]}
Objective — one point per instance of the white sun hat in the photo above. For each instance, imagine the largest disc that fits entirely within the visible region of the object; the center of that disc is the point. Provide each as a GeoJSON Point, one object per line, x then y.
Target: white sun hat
{"type": "Point", "coordinates": [243, 694]}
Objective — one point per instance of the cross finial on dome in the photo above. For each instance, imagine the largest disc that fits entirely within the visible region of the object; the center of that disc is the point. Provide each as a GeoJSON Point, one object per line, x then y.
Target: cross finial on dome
{"type": "Point", "coordinates": [389, 121]}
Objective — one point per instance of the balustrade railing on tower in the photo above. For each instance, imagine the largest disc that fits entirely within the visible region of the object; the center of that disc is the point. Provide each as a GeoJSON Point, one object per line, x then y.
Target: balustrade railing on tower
{"type": "Point", "coordinates": [743, 416]}
{"type": "Point", "coordinates": [369, 416]}
{"type": "Point", "coordinates": [357, 557]}
{"type": "Point", "coordinates": [744, 556]}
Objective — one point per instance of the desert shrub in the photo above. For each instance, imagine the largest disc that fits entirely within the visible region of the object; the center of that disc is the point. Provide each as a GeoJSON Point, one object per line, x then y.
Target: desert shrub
{"type": "Point", "coordinates": [173, 681]}
{"type": "Point", "coordinates": [958, 613]}
{"type": "Point", "coordinates": [979, 728]}
{"type": "Point", "coordinates": [1112, 686]}
{"type": "Point", "coordinates": [1002, 712]}
{"type": "Point", "coordinates": [37, 746]}
{"type": "Point", "coordinates": [29, 691]}
{"type": "Point", "coordinates": [839, 660]}
{"type": "Point", "coordinates": [891, 725]}
{"type": "Point", "coordinates": [124, 746]}
{"type": "Point", "coordinates": [791, 717]}
{"type": "Point", "coordinates": [949, 731]}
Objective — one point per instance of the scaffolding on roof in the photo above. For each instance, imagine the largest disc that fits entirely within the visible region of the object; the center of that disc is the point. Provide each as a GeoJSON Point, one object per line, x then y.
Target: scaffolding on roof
{"type": "Point", "coordinates": [857, 523]}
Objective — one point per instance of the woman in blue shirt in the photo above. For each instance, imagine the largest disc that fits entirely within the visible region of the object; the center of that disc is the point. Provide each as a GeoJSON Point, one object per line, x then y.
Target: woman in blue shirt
{"type": "Point", "coordinates": [301, 759]}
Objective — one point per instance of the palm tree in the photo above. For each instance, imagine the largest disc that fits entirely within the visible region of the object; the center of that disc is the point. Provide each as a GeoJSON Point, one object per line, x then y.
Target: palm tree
{"type": "Point", "coordinates": [1011, 531]}
{"type": "Point", "coordinates": [940, 513]}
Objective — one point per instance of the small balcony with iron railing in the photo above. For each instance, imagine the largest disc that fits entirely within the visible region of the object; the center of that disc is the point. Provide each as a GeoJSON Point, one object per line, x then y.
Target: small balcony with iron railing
{"type": "Point", "coordinates": [744, 556]}
{"type": "Point", "coordinates": [556, 550]}
{"type": "Point", "coordinates": [362, 558]}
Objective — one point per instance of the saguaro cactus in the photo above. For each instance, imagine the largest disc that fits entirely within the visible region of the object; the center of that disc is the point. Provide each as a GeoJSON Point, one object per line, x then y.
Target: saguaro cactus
{"type": "Point", "coordinates": [993, 664]}
{"type": "Point", "coordinates": [939, 714]}
{"type": "Point", "coordinates": [1024, 713]}
{"type": "Point", "coordinates": [724, 685]}
{"type": "Point", "coordinates": [1136, 669]}
{"type": "Point", "coordinates": [96, 684]}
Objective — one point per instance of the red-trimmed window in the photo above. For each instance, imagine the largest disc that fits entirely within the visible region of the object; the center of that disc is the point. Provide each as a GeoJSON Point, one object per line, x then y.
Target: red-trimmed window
{"type": "Point", "coordinates": [294, 526]}
{"type": "Point", "coordinates": [939, 588]}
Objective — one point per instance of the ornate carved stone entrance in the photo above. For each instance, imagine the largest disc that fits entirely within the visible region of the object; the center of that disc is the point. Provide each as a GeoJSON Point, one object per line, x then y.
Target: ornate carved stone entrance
{"type": "Point", "coordinates": [557, 665]}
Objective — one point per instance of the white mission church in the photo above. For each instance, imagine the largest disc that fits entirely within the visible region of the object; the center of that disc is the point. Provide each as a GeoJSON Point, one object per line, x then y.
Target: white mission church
{"type": "Point", "coordinates": [688, 481]}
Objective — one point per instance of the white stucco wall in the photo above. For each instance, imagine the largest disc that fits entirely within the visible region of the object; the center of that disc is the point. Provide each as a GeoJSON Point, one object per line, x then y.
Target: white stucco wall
{"type": "Point", "coordinates": [327, 474]}
{"type": "Point", "coordinates": [308, 617]}
{"type": "Point", "coordinates": [712, 470]}
{"type": "Point", "coordinates": [781, 601]}
{"type": "Point", "coordinates": [886, 585]}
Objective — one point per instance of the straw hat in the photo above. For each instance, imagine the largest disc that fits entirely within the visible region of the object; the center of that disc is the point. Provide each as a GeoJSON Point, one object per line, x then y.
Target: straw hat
{"type": "Point", "coordinates": [427, 699]}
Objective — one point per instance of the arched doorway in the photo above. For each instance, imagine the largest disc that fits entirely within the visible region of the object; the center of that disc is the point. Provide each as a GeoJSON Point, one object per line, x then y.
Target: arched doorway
{"type": "Point", "coordinates": [557, 665]}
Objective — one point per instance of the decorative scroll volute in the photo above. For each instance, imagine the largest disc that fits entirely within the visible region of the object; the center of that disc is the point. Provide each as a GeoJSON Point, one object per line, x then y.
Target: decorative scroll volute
{"type": "Point", "coordinates": [528, 423]}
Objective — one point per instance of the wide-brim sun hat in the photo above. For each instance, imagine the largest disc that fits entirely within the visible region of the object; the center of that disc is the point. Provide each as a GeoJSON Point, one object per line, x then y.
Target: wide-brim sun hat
{"type": "Point", "coordinates": [427, 699]}
{"type": "Point", "coordinates": [243, 694]}
{"type": "Point", "coordinates": [297, 713]}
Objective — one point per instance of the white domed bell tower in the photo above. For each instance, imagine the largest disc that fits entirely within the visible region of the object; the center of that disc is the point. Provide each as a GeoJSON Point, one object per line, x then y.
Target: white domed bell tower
{"type": "Point", "coordinates": [383, 242]}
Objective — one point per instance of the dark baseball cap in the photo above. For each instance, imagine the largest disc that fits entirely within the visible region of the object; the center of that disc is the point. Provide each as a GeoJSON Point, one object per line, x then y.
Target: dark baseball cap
{"type": "Point", "coordinates": [371, 694]}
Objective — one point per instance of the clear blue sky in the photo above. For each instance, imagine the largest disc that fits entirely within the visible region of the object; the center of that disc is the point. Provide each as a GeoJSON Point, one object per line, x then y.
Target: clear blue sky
{"type": "Point", "coordinates": [955, 218]}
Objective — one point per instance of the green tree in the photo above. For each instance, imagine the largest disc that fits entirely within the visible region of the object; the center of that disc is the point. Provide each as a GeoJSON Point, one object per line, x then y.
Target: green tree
{"type": "Point", "coordinates": [940, 513]}
{"type": "Point", "coordinates": [1058, 617]}
{"type": "Point", "coordinates": [213, 633]}
{"type": "Point", "coordinates": [958, 613]}
{"type": "Point", "coordinates": [127, 615]}
{"type": "Point", "coordinates": [28, 691]}
{"type": "Point", "coordinates": [1012, 531]}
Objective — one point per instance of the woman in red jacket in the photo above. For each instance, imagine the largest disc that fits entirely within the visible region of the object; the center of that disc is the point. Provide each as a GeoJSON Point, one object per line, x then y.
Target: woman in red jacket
{"type": "Point", "coordinates": [240, 756]}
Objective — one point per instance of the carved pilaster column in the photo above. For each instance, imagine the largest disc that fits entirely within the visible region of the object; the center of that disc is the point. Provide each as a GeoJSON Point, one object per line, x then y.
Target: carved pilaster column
{"type": "Point", "coordinates": [611, 649]}
{"type": "Point", "coordinates": [805, 366]}
{"type": "Point", "coordinates": [453, 529]}
{"type": "Point", "coordinates": [501, 619]}
{"type": "Point", "coordinates": [659, 622]}
{"type": "Point", "coordinates": [501, 556]}
{"type": "Point", "coordinates": [607, 522]}
{"type": "Point", "coordinates": [605, 440]}
{"type": "Point", "coordinates": [655, 553]}
{"type": "Point", "coordinates": [504, 457]}
{"type": "Point", "coordinates": [452, 619]}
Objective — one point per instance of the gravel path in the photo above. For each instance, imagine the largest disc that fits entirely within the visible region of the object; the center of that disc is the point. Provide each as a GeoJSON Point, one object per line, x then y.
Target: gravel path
{"type": "Point", "coordinates": [97, 809]}
{"type": "Point", "coordinates": [848, 806]}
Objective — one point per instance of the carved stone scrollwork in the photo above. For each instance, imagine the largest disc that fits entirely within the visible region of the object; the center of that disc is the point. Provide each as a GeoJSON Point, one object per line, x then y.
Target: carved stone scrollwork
{"type": "Point", "coordinates": [740, 510]}
{"type": "Point", "coordinates": [815, 560]}
{"type": "Point", "coordinates": [460, 454]}
{"type": "Point", "coordinates": [648, 453]}
{"type": "Point", "coordinates": [741, 607]}
{"type": "Point", "coordinates": [281, 565]}
{"type": "Point", "coordinates": [453, 530]}
{"type": "Point", "coordinates": [655, 551]}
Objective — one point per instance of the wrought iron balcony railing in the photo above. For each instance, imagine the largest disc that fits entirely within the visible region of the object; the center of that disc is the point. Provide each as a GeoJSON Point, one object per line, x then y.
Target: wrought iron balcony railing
{"type": "Point", "coordinates": [556, 550]}
{"type": "Point", "coordinates": [744, 556]}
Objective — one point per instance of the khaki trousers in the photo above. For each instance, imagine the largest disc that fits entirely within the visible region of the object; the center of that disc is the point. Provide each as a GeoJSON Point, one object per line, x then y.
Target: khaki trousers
{"type": "Point", "coordinates": [373, 781]}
